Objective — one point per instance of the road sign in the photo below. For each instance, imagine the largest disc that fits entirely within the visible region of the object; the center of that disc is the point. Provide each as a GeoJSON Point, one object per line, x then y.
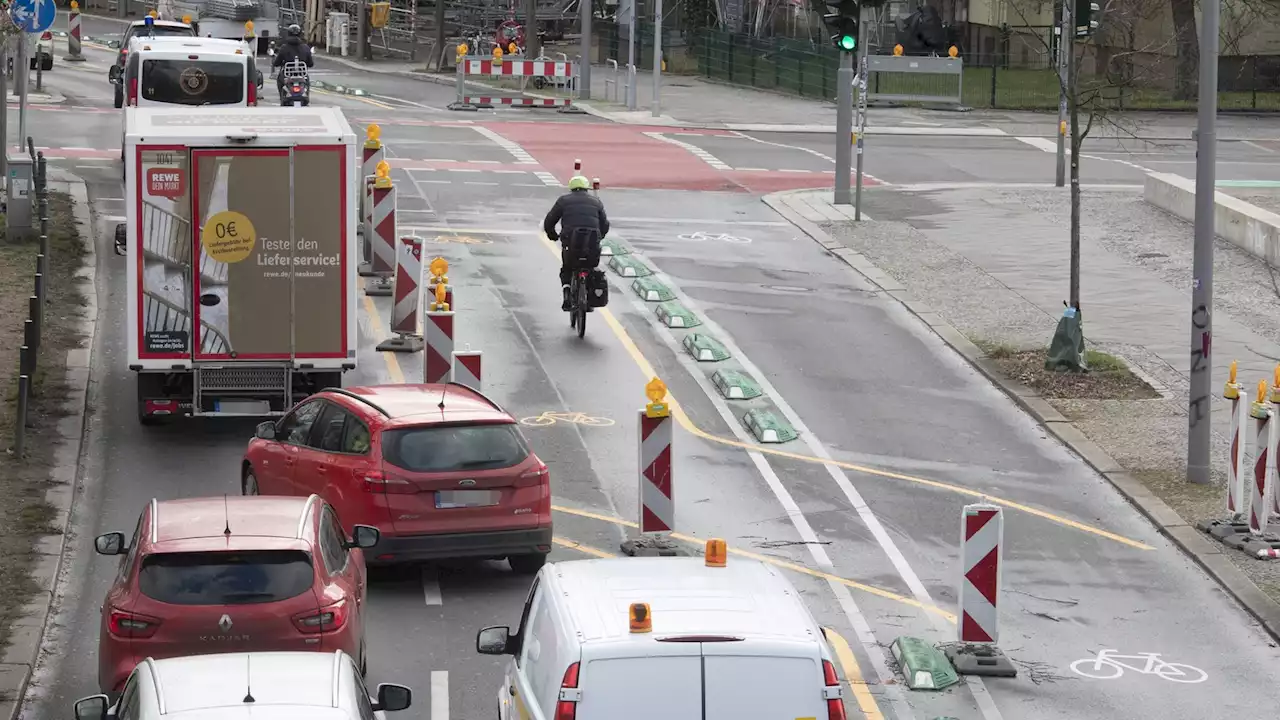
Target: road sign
{"type": "Point", "coordinates": [33, 16]}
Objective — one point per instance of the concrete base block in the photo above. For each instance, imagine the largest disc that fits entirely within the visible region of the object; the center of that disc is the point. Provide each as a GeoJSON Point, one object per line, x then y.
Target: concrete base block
{"type": "Point", "coordinates": [984, 660]}
{"type": "Point", "coordinates": [652, 546]}
{"type": "Point", "coordinates": [380, 287]}
{"type": "Point", "coordinates": [366, 270]}
{"type": "Point", "coordinates": [401, 343]}
{"type": "Point", "coordinates": [1250, 544]}
{"type": "Point", "coordinates": [1223, 529]}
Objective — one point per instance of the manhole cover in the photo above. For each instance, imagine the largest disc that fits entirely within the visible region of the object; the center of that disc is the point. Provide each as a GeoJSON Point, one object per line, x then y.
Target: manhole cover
{"type": "Point", "coordinates": [788, 288]}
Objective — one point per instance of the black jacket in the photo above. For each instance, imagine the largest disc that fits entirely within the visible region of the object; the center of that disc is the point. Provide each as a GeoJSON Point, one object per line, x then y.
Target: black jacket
{"type": "Point", "coordinates": [293, 49]}
{"type": "Point", "coordinates": [573, 210]}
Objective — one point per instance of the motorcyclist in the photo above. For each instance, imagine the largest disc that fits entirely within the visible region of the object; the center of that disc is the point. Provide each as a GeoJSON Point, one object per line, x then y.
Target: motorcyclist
{"type": "Point", "coordinates": [576, 210]}
{"type": "Point", "coordinates": [293, 49]}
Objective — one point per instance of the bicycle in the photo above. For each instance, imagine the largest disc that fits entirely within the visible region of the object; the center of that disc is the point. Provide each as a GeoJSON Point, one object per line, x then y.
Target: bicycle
{"type": "Point", "coordinates": [1108, 666]}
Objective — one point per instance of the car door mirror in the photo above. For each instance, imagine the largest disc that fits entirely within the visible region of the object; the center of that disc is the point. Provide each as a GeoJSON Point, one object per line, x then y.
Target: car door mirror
{"type": "Point", "coordinates": [493, 640]}
{"type": "Point", "coordinates": [113, 74]}
{"type": "Point", "coordinates": [93, 707]}
{"type": "Point", "coordinates": [392, 697]}
{"type": "Point", "coordinates": [265, 431]}
{"type": "Point", "coordinates": [112, 543]}
{"type": "Point", "coordinates": [364, 537]}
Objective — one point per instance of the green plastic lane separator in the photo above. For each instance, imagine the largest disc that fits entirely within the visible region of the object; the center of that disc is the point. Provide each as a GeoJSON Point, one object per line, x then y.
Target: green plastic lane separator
{"type": "Point", "coordinates": [924, 666]}
{"type": "Point", "coordinates": [651, 290]}
{"type": "Point", "coordinates": [612, 247]}
{"type": "Point", "coordinates": [705, 348]}
{"type": "Point", "coordinates": [736, 385]}
{"type": "Point", "coordinates": [674, 315]}
{"type": "Point", "coordinates": [627, 266]}
{"type": "Point", "coordinates": [768, 428]}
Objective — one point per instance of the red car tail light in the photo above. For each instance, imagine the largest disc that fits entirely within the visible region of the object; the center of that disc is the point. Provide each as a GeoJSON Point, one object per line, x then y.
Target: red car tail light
{"type": "Point", "coordinates": [46, 35]}
{"type": "Point", "coordinates": [534, 477]}
{"type": "Point", "coordinates": [326, 619]}
{"type": "Point", "coordinates": [375, 481]}
{"type": "Point", "coordinates": [567, 707]}
{"type": "Point", "coordinates": [131, 625]}
{"type": "Point", "coordinates": [253, 94]}
{"type": "Point", "coordinates": [835, 706]}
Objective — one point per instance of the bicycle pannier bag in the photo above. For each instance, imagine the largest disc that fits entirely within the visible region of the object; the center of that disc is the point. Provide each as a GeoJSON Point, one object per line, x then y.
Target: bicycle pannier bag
{"type": "Point", "coordinates": [597, 288]}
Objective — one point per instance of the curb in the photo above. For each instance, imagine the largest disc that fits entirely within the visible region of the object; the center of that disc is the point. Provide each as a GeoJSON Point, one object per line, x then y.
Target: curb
{"type": "Point", "coordinates": [28, 628]}
{"type": "Point", "coordinates": [1210, 557]}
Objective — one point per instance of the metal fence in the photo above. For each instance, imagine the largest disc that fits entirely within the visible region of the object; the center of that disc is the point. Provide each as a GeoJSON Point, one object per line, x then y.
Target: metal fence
{"type": "Point", "coordinates": [33, 326]}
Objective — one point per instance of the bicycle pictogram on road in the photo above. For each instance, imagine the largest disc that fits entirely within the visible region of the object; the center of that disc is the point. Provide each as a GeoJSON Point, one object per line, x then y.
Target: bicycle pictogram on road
{"type": "Point", "coordinates": [572, 418]}
{"type": "Point", "coordinates": [700, 236]}
{"type": "Point", "coordinates": [1109, 665]}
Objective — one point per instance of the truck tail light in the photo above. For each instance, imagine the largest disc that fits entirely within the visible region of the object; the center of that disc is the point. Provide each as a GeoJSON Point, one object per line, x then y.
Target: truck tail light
{"type": "Point", "coordinates": [131, 625]}
{"type": "Point", "coordinates": [253, 94]}
{"type": "Point", "coordinates": [375, 481]}
{"type": "Point", "coordinates": [133, 91]}
{"type": "Point", "coordinates": [835, 706]}
{"type": "Point", "coordinates": [567, 707]}
{"type": "Point", "coordinates": [326, 619]}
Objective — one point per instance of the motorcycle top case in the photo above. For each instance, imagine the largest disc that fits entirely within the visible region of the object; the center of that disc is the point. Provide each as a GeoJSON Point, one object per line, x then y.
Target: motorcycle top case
{"type": "Point", "coordinates": [597, 288]}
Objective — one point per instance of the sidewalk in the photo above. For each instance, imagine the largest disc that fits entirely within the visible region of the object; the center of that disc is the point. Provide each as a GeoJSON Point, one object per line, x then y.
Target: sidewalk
{"type": "Point", "coordinates": [988, 269]}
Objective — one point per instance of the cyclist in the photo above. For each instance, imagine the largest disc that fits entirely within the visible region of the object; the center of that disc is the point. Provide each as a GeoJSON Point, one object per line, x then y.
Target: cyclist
{"type": "Point", "coordinates": [583, 224]}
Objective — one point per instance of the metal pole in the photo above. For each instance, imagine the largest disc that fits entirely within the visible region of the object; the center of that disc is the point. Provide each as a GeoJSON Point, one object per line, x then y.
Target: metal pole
{"type": "Point", "coordinates": [657, 57]}
{"type": "Point", "coordinates": [20, 70]}
{"type": "Point", "coordinates": [863, 71]}
{"type": "Point", "coordinates": [39, 73]}
{"type": "Point", "coordinates": [584, 69]}
{"type": "Point", "coordinates": [844, 128]}
{"type": "Point", "coordinates": [4, 116]}
{"type": "Point", "coordinates": [1064, 27]}
{"type": "Point", "coordinates": [631, 54]}
{"type": "Point", "coordinates": [1198, 427]}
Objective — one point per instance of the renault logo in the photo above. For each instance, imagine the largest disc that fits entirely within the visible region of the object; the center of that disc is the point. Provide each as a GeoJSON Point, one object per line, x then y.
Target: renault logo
{"type": "Point", "coordinates": [467, 483]}
{"type": "Point", "coordinates": [224, 624]}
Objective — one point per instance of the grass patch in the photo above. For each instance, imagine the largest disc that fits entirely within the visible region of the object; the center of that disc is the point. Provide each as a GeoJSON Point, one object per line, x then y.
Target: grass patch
{"type": "Point", "coordinates": [1109, 378]}
{"type": "Point", "coordinates": [25, 516]}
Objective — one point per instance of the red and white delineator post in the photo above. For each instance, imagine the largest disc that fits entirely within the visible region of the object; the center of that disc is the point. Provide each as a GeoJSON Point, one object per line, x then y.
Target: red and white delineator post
{"type": "Point", "coordinates": [407, 287]}
{"type": "Point", "coordinates": [384, 233]}
{"type": "Point", "coordinates": [74, 36]}
{"type": "Point", "coordinates": [373, 153]}
{"type": "Point", "coordinates": [437, 360]}
{"type": "Point", "coordinates": [657, 496]}
{"type": "Point", "coordinates": [1237, 504]}
{"type": "Point", "coordinates": [466, 368]}
{"type": "Point", "coordinates": [981, 578]}
{"type": "Point", "coordinates": [1260, 411]}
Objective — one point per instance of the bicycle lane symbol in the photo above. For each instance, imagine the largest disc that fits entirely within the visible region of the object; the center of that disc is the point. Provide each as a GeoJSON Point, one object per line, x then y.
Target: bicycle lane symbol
{"type": "Point", "coordinates": [1109, 665]}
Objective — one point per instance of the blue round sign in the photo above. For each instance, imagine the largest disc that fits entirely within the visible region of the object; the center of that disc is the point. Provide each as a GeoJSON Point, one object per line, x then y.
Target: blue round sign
{"type": "Point", "coordinates": [33, 16]}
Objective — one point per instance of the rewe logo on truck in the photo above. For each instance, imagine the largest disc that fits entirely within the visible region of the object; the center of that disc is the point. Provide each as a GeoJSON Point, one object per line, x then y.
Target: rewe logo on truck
{"type": "Point", "coordinates": [166, 182]}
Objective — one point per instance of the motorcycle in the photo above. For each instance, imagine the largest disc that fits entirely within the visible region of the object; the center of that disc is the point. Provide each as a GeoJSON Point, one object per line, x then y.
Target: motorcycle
{"type": "Point", "coordinates": [296, 87]}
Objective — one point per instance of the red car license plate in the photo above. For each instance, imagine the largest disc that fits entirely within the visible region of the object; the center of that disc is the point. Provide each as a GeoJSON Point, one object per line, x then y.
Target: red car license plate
{"type": "Point", "coordinates": [451, 499]}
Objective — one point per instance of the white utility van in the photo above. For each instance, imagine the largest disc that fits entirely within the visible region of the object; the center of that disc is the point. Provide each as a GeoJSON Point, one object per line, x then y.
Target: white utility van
{"type": "Point", "coordinates": [665, 637]}
{"type": "Point", "coordinates": [188, 71]}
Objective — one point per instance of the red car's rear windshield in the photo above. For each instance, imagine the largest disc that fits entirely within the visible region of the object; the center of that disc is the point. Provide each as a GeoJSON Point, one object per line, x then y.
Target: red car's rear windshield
{"type": "Point", "coordinates": [453, 448]}
{"type": "Point", "coordinates": [226, 578]}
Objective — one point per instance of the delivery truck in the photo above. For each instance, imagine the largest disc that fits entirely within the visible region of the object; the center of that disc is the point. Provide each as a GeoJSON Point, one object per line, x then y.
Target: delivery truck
{"type": "Point", "coordinates": [240, 257]}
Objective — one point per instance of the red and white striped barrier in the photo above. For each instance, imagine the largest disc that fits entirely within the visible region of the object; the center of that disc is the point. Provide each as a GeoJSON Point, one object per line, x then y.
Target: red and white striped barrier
{"type": "Point", "coordinates": [1260, 491]}
{"type": "Point", "coordinates": [486, 102]}
{"type": "Point", "coordinates": [476, 71]}
{"type": "Point", "coordinates": [437, 366]}
{"type": "Point", "coordinates": [657, 497]}
{"type": "Point", "coordinates": [407, 289]}
{"type": "Point", "coordinates": [373, 153]}
{"type": "Point", "coordinates": [384, 233]}
{"type": "Point", "coordinates": [1273, 447]}
{"type": "Point", "coordinates": [74, 36]}
{"type": "Point", "coordinates": [981, 555]}
{"type": "Point", "coordinates": [1237, 505]}
{"type": "Point", "coordinates": [518, 68]}
{"type": "Point", "coordinates": [466, 368]}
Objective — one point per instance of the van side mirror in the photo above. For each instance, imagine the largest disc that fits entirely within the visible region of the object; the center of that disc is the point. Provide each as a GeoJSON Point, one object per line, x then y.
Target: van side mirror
{"type": "Point", "coordinates": [113, 74]}
{"type": "Point", "coordinates": [112, 543]}
{"type": "Point", "coordinates": [265, 431]}
{"type": "Point", "coordinates": [93, 707]}
{"type": "Point", "coordinates": [392, 697]}
{"type": "Point", "coordinates": [493, 640]}
{"type": "Point", "coordinates": [122, 238]}
{"type": "Point", "coordinates": [364, 537]}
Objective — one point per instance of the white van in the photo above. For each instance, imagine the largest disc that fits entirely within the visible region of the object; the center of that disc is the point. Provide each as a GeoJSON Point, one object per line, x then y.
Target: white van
{"type": "Point", "coordinates": [665, 637]}
{"type": "Point", "coordinates": [189, 71]}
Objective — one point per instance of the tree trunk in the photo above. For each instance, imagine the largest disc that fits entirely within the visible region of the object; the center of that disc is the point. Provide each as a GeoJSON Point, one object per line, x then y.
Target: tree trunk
{"type": "Point", "coordinates": [1073, 100]}
{"type": "Point", "coordinates": [1186, 40]}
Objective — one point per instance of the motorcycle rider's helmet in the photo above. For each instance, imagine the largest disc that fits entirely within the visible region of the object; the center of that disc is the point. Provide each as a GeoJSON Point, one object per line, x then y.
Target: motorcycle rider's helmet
{"type": "Point", "coordinates": [578, 182]}
{"type": "Point", "coordinates": [294, 30]}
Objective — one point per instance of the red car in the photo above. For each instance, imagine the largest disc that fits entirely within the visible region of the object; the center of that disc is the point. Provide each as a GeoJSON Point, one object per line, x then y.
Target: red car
{"type": "Point", "coordinates": [441, 468]}
{"type": "Point", "coordinates": [232, 574]}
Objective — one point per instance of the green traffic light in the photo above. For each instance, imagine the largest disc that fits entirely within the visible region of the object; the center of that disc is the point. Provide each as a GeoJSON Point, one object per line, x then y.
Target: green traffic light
{"type": "Point", "coordinates": [848, 42]}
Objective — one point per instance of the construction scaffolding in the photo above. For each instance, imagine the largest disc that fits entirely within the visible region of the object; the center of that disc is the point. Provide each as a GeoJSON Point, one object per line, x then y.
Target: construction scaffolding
{"type": "Point", "coordinates": [393, 25]}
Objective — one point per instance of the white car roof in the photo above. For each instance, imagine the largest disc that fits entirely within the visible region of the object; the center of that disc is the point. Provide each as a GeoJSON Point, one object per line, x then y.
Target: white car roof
{"type": "Point", "coordinates": [160, 23]}
{"type": "Point", "coordinates": [273, 712]}
{"type": "Point", "coordinates": [303, 680]}
{"type": "Point", "coordinates": [177, 43]}
{"type": "Point", "coordinates": [746, 598]}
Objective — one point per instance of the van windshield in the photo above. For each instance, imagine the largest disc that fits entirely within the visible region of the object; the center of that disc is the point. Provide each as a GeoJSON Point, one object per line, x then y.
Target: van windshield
{"type": "Point", "coordinates": [193, 82]}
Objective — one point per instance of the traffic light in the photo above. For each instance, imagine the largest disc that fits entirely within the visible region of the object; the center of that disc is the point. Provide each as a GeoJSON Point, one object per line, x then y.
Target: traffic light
{"type": "Point", "coordinates": [844, 23]}
{"type": "Point", "coordinates": [1084, 22]}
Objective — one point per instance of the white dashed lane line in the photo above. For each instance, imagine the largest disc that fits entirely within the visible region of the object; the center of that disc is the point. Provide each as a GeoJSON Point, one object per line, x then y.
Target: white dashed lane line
{"type": "Point", "coordinates": [698, 152]}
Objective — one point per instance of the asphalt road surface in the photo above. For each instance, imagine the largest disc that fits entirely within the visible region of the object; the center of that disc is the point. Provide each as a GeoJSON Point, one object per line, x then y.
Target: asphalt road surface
{"type": "Point", "coordinates": [897, 434]}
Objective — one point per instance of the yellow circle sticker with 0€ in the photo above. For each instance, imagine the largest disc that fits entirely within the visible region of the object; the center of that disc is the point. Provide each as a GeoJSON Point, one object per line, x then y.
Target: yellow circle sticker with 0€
{"type": "Point", "coordinates": [228, 237]}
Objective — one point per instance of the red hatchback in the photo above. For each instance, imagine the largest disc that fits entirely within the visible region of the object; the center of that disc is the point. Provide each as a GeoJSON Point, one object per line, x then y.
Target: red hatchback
{"type": "Point", "coordinates": [232, 574]}
{"type": "Point", "coordinates": [442, 469]}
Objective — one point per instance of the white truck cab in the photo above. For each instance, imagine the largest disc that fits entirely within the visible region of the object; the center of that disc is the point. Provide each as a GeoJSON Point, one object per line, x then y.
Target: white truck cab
{"type": "Point", "coordinates": [665, 637]}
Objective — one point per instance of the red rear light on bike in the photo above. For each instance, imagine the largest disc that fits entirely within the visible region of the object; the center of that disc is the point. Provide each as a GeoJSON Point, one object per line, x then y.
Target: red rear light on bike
{"type": "Point", "coordinates": [567, 707]}
{"type": "Point", "coordinates": [374, 481]}
{"type": "Point", "coordinates": [326, 619]}
{"type": "Point", "coordinates": [835, 705]}
{"type": "Point", "coordinates": [131, 625]}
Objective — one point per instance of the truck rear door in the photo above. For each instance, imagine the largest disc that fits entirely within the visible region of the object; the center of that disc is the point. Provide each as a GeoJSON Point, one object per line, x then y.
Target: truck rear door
{"type": "Point", "coordinates": [742, 686]}
{"type": "Point", "coordinates": [668, 685]}
{"type": "Point", "coordinates": [268, 238]}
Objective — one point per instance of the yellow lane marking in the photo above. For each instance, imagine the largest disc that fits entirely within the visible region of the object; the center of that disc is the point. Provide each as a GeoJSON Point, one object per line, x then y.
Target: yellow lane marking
{"type": "Point", "coordinates": [393, 365]}
{"type": "Point", "coordinates": [361, 98]}
{"type": "Point", "coordinates": [794, 567]}
{"type": "Point", "coordinates": [581, 548]}
{"type": "Point", "coordinates": [852, 674]}
{"type": "Point", "coordinates": [681, 417]}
